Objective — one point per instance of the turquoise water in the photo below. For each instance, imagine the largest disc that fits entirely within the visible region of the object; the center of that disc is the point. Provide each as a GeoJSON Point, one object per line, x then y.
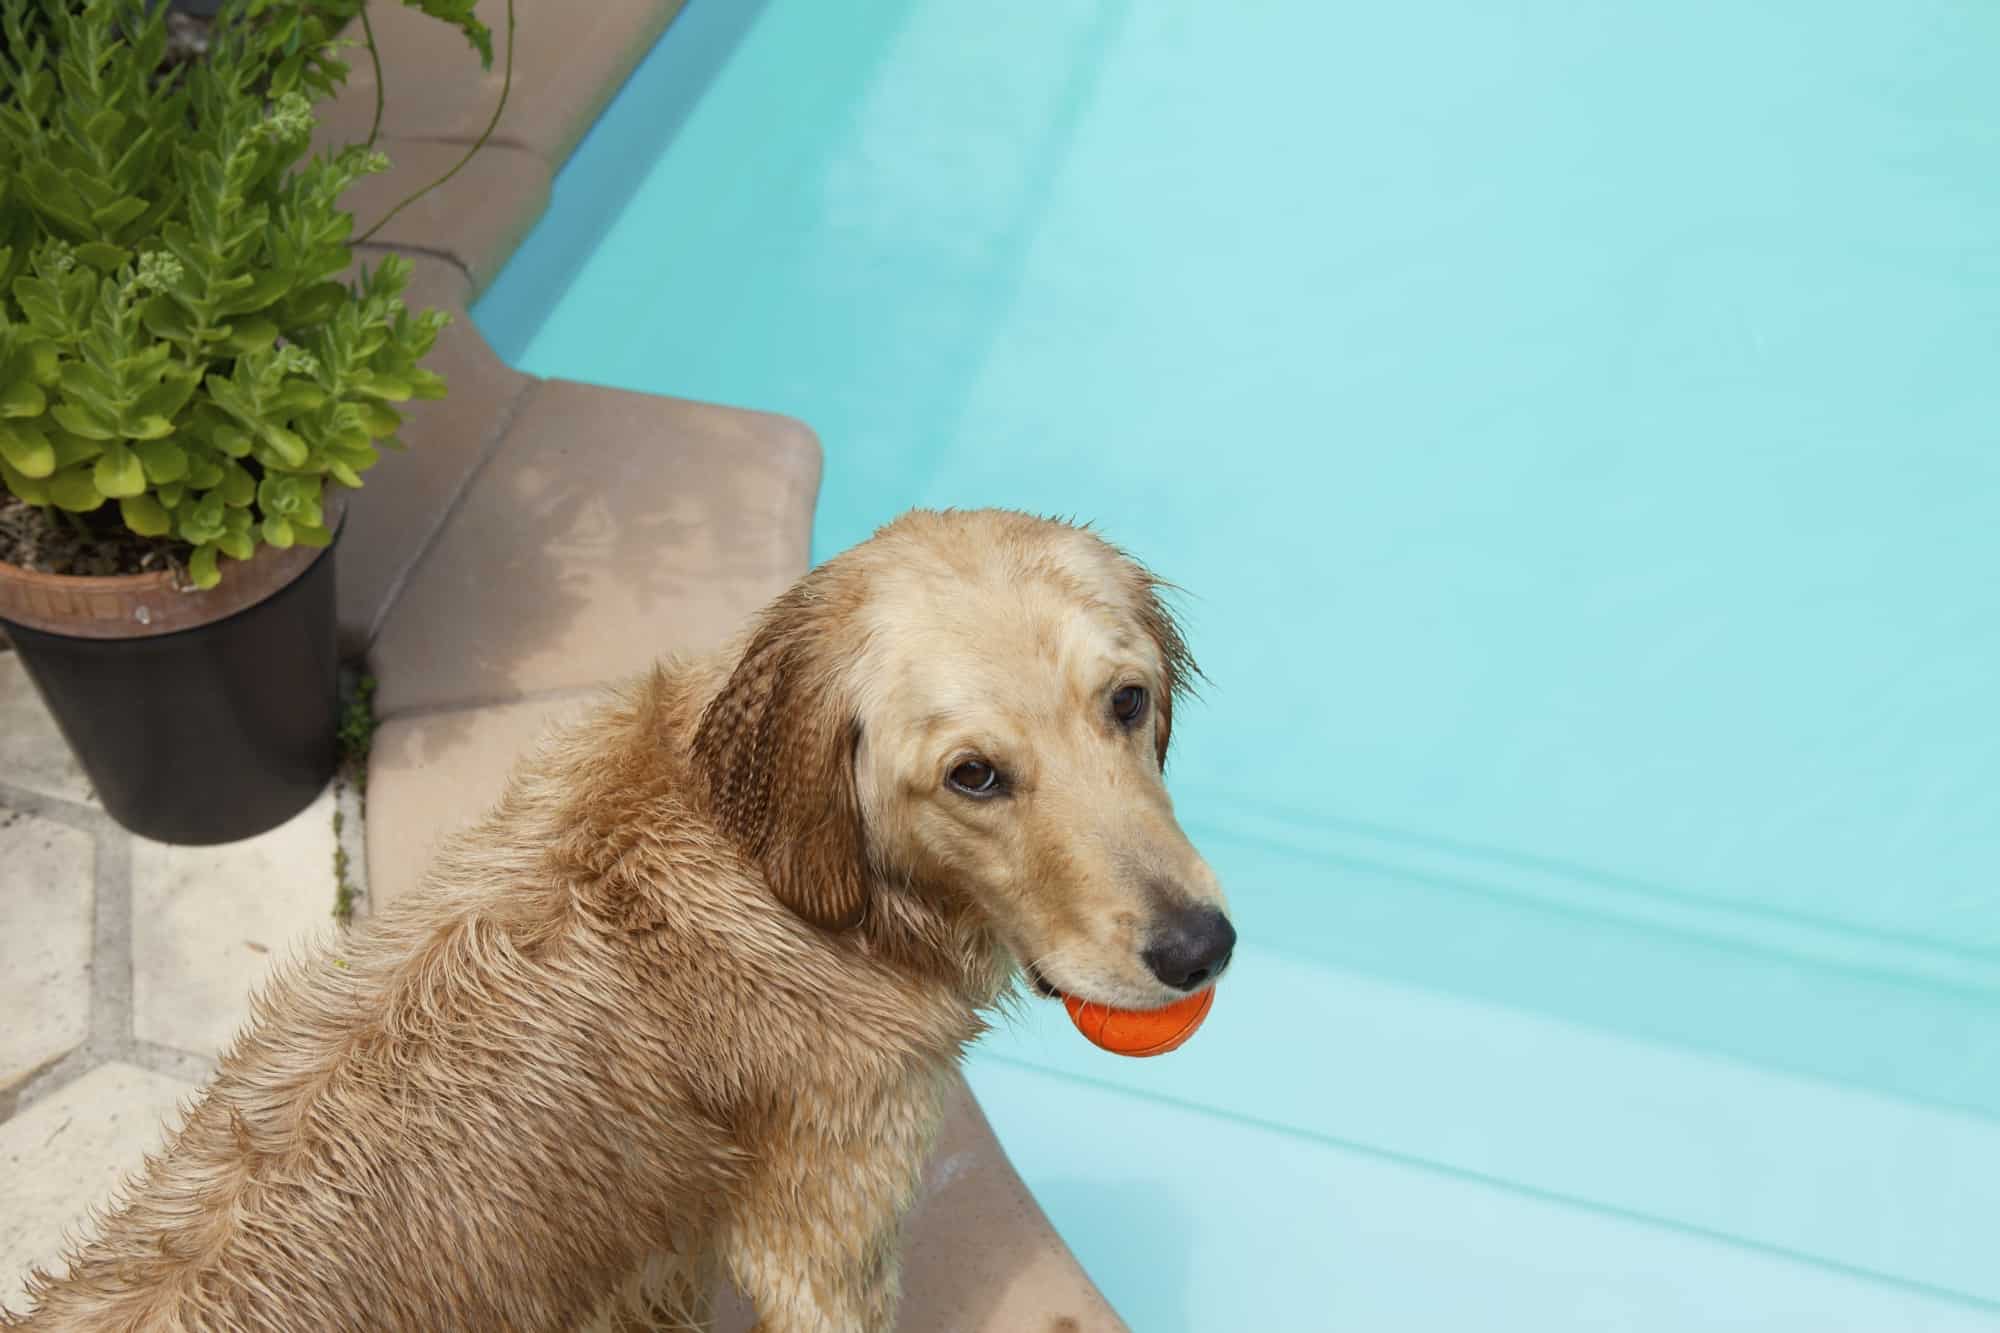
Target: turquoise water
{"type": "Point", "coordinates": [1578, 429]}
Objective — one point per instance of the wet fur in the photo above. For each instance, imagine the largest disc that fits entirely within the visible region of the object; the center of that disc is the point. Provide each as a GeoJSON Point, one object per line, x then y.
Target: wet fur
{"type": "Point", "coordinates": [683, 1004]}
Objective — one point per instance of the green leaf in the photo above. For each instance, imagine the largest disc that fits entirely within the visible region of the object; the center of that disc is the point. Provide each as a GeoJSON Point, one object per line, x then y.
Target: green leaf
{"type": "Point", "coordinates": [151, 427]}
{"type": "Point", "coordinates": [265, 287]}
{"type": "Point", "coordinates": [103, 257]}
{"type": "Point", "coordinates": [204, 474]}
{"type": "Point", "coordinates": [289, 496]}
{"type": "Point", "coordinates": [27, 450]}
{"type": "Point", "coordinates": [232, 441]}
{"type": "Point", "coordinates": [381, 384]}
{"type": "Point", "coordinates": [313, 305]}
{"type": "Point", "coordinates": [201, 566]}
{"type": "Point", "coordinates": [379, 418]}
{"type": "Point", "coordinates": [73, 489]}
{"type": "Point", "coordinates": [163, 460]}
{"type": "Point", "coordinates": [103, 124]}
{"type": "Point", "coordinates": [169, 396]}
{"type": "Point", "coordinates": [116, 214]}
{"type": "Point", "coordinates": [55, 198]}
{"type": "Point", "coordinates": [73, 449]}
{"type": "Point", "coordinates": [277, 532]}
{"type": "Point", "coordinates": [201, 521]}
{"type": "Point", "coordinates": [118, 472]}
{"type": "Point", "coordinates": [144, 515]}
{"type": "Point", "coordinates": [290, 449]}
{"type": "Point", "coordinates": [308, 534]}
{"type": "Point", "coordinates": [236, 545]}
{"type": "Point", "coordinates": [343, 474]}
{"type": "Point", "coordinates": [251, 335]}
{"type": "Point", "coordinates": [164, 318]}
{"type": "Point", "coordinates": [459, 14]}
{"type": "Point", "coordinates": [426, 384]}
{"type": "Point", "coordinates": [238, 487]}
{"type": "Point", "coordinates": [170, 494]}
{"type": "Point", "coordinates": [78, 420]}
{"type": "Point", "coordinates": [29, 489]}
{"type": "Point", "coordinates": [297, 395]}
{"type": "Point", "coordinates": [90, 386]}
{"type": "Point", "coordinates": [23, 398]}
{"type": "Point", "coordinates": [46, 362]}
{"type": "Point", "coordinates": [209, 425]}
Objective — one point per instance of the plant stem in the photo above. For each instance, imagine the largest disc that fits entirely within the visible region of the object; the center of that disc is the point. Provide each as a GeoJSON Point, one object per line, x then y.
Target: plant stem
{"type": "Point", "coordinates": [506, 86]}
{"type": "Point", "coordinates": [374, 58]}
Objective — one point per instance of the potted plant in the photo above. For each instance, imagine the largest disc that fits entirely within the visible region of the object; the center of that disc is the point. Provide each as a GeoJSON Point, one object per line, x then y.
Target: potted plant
{"type": "Point", "coordinates": [188, 388]}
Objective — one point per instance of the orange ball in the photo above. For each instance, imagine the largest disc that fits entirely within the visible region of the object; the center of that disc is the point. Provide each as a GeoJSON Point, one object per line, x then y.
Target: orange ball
{"type": "Point", "coordinates": [1139, 1032]}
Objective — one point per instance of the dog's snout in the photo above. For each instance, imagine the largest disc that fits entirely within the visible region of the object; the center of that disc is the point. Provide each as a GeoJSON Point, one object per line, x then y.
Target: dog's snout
{"type": "Point", "coordinates": [1191, 946]}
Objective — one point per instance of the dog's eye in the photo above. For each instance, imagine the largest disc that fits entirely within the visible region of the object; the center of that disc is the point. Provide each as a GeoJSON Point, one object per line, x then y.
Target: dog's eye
{"type": "Point", "coordinates": [1129, 704]}
{"type": "Point", "coordinates": [975, 777]}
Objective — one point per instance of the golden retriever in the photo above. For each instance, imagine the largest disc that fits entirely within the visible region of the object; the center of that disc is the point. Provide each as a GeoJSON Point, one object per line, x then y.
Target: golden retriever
{"type": "Point", "coordinates": [683, 1005]}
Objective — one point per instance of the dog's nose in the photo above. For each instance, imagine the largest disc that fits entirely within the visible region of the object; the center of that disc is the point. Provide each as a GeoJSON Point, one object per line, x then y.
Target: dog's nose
{"type": "Point", "coordinates": [1189, 947]}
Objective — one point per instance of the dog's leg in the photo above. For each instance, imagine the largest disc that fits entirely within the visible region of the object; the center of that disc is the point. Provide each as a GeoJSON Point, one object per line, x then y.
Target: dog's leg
{"type": "Point", "coordinates": [815, 1240]}
{"type": "Point", "coordinates": [669, 1293]}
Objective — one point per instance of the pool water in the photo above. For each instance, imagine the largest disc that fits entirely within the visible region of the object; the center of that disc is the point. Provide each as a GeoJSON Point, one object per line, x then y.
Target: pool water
{"type": "Point", "coordinates": [1578, 430]}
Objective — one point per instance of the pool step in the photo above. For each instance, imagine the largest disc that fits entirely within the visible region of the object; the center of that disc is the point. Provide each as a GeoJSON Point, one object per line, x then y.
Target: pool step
{"type": "Point", "coordinates": [1192, 1220]}
{"type": "Point", "coordinates": [1299, 1060]}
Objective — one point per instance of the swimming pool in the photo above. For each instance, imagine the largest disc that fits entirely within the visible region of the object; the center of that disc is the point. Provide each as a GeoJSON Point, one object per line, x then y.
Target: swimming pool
{"type": "Point", "coordinates": [1578, 429]}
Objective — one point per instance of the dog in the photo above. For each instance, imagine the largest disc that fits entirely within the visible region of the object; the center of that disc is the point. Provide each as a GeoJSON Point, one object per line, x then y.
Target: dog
{"type": "Point", "coordinates": [682, 1007]}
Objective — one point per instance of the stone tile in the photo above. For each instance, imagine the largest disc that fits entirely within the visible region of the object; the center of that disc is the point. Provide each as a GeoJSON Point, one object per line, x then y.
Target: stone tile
{"type": "Point", "coordinates": [68, 1153]}
{"type": "Point", "coordinates": [33, 753]}
{"type": "Point", "coordinates": [48, 883]}
{"type": "Point", "coordinates": [610, 529]}
{"type": "Point", "coordinates": [571, 60]}
{"type": "Point", "coordinates": [209, 922]}
{"type": "Point", "coordinates": [433, 773]}
{"type": "Point", "coordinates": [477, 218]}
{"type": "Point", "coordinates": [408, 493]}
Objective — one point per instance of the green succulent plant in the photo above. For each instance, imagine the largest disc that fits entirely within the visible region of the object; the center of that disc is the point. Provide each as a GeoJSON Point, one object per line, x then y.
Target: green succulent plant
{"type": "Point", "coordinates": [177, 345]}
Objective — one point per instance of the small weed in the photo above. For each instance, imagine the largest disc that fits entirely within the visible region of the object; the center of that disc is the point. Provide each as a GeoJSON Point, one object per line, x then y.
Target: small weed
{"type": "Point", "coordinates": [356, 737]}
{"type": "Point", "coordinates": [357, 733]}
{"type": "Point", "coordinates": [344, 892]}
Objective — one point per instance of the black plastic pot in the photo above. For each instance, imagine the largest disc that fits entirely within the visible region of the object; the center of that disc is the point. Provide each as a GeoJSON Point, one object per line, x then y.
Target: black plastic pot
{"type": "Point", "coordinates": [203, 735]}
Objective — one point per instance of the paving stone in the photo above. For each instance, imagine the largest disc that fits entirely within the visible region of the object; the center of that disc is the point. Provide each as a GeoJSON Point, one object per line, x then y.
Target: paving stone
{"type": "Point", "coordinates": [609, 529]}
{"type": "Point", "coordinates": [571, 60]}
{"type": "Point", "coordinates": [68, 1153]}
{"type": "Point", "coordinates": [208, 923]}
{"type": "Point", "coordinates": [33, 753]}
{"type": "Point", "coordinates": [433, 773]}
{"type": "Point", "coordinates": [409, 493]}
{"type": "Point", "coordinates": [48, 883]}
{"type": "Point", "coordinates": [477, 218]}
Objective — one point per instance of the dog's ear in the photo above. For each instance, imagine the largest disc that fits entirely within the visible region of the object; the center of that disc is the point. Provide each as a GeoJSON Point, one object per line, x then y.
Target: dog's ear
{"type": "Point", "coordinates": [776, 751]}
{"type": "Point", "coordinates": [1177, 666]}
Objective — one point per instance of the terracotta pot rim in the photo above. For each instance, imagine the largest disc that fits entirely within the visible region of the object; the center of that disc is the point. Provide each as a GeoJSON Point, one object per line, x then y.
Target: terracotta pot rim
{"type": "Point", "coordinates": [150, 604]}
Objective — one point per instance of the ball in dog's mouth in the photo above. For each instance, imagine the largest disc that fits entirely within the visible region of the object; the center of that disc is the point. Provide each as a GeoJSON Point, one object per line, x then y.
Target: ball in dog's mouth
{"type": "Point", "coordinates": [1135, 1032]}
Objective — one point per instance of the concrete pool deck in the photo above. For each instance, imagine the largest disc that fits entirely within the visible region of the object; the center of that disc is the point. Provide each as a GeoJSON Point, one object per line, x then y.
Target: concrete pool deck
{"type": "Point", "coordinates": [540, 539]}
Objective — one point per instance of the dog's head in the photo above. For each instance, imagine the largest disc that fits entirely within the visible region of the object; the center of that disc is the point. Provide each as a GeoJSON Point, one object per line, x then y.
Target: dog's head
{"type": "Point", "coordinates": [977, 705]}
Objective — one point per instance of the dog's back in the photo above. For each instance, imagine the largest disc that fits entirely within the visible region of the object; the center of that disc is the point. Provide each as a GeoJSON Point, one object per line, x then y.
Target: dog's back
{"type": "Point", "coordinates": [504, 1097]}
